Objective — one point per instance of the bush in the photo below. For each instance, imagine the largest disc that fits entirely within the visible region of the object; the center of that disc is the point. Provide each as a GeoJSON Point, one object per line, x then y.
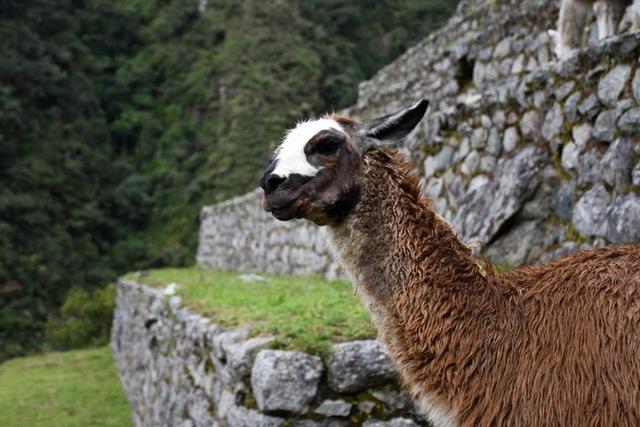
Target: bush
{"type": "Point", "coordinates": [84, 319]}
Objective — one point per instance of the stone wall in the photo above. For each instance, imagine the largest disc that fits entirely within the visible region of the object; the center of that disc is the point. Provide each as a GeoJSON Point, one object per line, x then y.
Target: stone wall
{"type": "Point", "coordinates": [239, 235]}
{"type": "Point", "coordinates": [179, 369]}
{"type": "Point", "coordinates": [531, 157]}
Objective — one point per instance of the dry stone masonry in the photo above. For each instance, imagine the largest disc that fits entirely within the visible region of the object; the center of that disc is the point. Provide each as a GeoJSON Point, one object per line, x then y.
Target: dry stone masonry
{"type": "Point", "coordinates": [531, 157]}
{"type": "Point", "coordinates": [239, 235]}
{"type": "Point", "coordinates": [179, 369]}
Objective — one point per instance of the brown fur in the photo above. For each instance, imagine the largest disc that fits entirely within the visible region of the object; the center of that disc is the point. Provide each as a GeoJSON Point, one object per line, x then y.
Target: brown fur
{"type": "Point", "coordinates": [549, 345]}
{"type": "Point", "coordinates": [554, 344]}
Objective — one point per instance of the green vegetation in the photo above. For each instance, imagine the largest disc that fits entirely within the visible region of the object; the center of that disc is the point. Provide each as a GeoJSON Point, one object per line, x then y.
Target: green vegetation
{"type": "Point", "coordinates": [303, 313]}
{"type": "Point", "coordinates": [84, 320]}
{"type": "Point", "coordinates": [120, 119]}
{"type": "Point", "coordinates": [77, 388]}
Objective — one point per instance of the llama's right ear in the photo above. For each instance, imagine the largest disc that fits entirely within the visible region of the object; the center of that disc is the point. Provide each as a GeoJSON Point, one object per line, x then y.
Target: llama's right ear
{"type": "Point", "coordinates": [398, 125]}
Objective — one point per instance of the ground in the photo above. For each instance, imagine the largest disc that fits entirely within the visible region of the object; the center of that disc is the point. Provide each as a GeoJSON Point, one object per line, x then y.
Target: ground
{"type": "Point", "coordinates": [303, 313]}
{"type": "Point", "coordinates": [76, 388]}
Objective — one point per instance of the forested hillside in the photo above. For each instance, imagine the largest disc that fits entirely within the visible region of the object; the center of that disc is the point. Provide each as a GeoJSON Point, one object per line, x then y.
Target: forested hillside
{"type": "Point", "coordinates": [120, 119]}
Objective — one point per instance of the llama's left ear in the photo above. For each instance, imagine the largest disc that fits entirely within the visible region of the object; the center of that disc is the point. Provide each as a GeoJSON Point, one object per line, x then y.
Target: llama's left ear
{"type": "Point", "coordinates": [398, 125]}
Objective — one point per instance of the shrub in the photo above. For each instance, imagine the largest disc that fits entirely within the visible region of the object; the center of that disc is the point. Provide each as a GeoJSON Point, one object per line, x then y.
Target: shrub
{"type": "Point", "coordinates": [84, 319]}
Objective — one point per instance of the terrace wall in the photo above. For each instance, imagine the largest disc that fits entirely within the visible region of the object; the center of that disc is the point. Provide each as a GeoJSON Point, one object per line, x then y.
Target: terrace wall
{"type": "Point", "coordinates": [179, 369]}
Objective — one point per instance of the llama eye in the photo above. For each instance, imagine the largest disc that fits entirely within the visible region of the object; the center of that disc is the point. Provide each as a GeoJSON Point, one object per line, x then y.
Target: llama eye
{"type": "Point", "coordinates": [327, 146]}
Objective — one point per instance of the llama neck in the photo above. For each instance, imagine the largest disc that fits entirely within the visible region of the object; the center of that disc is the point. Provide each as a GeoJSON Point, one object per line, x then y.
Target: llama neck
{"type": "Point", "coordinates": [419, 281]}
{"type": "Point", "coordinates": [393, 241]}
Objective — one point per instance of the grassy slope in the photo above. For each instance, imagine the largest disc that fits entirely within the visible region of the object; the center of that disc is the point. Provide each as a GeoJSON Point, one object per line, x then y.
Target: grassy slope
{"type": "Point", "coordinates": [76, 388]}
{"type": "Point", "coordinates": [304, 313]}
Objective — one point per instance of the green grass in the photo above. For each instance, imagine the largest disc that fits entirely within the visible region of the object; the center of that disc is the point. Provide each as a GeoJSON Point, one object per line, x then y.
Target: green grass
{"type": "Point", "coordinates": [304, 313]}
{"type": "Point", "coordinates": [76, 388]}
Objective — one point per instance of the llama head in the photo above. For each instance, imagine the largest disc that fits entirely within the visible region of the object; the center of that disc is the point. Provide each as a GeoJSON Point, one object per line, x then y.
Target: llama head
{"type": "Point", "coordinates": [316, 173]}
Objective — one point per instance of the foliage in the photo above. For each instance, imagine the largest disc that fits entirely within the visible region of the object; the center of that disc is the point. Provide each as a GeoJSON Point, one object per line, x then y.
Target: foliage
{"type": "Point", "coordinates": [77, 388]}
{"type": "Point", "coordinates": [85, 319]}
{"type": "Point", "coordinates": [303, 313]}
{"type": "Point", "coordinates": [119, 119]}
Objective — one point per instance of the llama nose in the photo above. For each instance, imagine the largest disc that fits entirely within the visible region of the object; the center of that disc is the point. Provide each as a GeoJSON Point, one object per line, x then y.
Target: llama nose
{"type": "Point", "coordinates": [272, 182]}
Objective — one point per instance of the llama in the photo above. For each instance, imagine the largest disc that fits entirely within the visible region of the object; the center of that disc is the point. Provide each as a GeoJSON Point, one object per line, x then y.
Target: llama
{"type": "Point", "coordinates": [552, 344]}
{"type": "Point", "coordinates": [573, 18]}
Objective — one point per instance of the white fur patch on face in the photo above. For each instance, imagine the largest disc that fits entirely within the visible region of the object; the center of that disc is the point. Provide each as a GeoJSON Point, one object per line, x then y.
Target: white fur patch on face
{"type": "Point", "coordinates": [290, 157]}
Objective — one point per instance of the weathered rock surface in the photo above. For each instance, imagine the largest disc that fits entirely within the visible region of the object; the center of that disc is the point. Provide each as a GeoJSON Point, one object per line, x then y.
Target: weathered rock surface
{"type": "Point", "coordinates": [523, 243]}
{"type": "Point", "coordinates": [334, 408]}
{"type": "Point", "coordinates": [358, 365]}
{"type": "Point", "coordinates": [629, 123]}
{"type": "Point", "coordinates": [611, 85]}
{"type": "Point", "coordinates": [591, 213]}
{"type": "Point", "coordinates": [624, 222]}
{"type": "Point", "coordinates": [285, 380]}
{"type": "Point", "coordinates": [605, 127]}
{"type": "Point", "coordinates": [487, 208]}
{"type": "Point", "coordinates": [439, 162]}
{"type": "Point", "coordinates": [617, 163]}
{"type": "Point", "coordinates": [238, 416]}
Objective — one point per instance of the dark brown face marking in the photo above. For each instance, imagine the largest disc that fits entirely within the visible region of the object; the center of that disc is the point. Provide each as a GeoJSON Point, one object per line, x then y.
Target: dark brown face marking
{"type": "Point", "coordinates": [323, 146]}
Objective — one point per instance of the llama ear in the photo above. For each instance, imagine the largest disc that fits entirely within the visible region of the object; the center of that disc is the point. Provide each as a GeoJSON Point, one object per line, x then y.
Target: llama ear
{"type": "Point", "coordinates": [398, 125]}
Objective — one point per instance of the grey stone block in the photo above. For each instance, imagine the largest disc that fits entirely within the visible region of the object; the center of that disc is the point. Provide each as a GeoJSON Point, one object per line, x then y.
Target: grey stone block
{"type": "Point", "coordinates": [394, 400]}
{"type": "Point", "coordinates": [591, 213]}
{"type": "Point", "coordinates": [285, 380]}
{"type": "Point", "coordinates": [589, 107]}
{"type": "Point", "coordinates": [358, 365]}
{"type": "Point", "coordinates": [553, 122]}
{"type": "Point", "coordinates": [334, 408]}
{"type": "Point", "coordinates": [511, 139]}
{"type": "Point", "coordinates": [611, 85]}
{"type": "Point", "coordinates": [494, 143]}
{"type": "Point", "coordinates": [515, 179]}
{"type": "Point", "coordinates": [439, 162]}
{"type": "Point", "coordinates": [238, 416]}
{"type": "Point", "coordinates": [571, 107]}
{"type": "Point", "coordinates": [581, 134]}
{"type": "Point", "coordinates": [240, 355]}
{"type": "Point", "coordinates": [530, 125]}
{"type": "Point", "coordinates": [624, 221]}
{"type": "Point", "coordinates": [605, 127]}
{"type": "Point", "coordinates": [617, 163]}
{"type": "Point", "coordinates": [630, 121]}
{"type": "Point", "coordinates": [563, 202]}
